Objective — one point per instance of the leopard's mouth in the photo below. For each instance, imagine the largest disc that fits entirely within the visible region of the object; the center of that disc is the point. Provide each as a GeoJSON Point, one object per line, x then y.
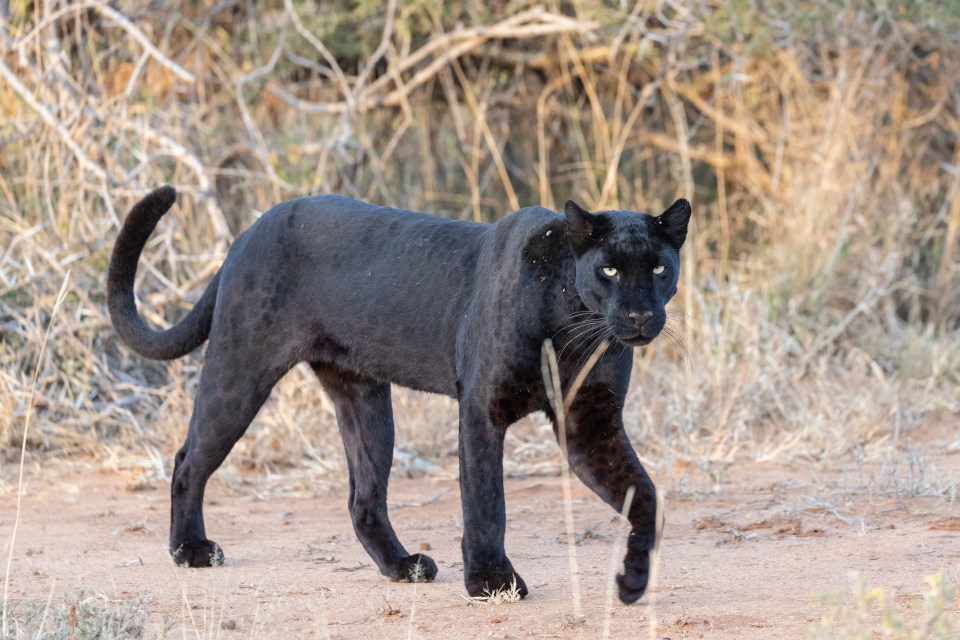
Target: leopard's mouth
{"type": "Point", "coordinates": [635, 340]}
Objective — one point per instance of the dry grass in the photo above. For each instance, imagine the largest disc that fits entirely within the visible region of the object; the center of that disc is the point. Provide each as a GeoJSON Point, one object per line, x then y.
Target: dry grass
{"type": "Point", "coordinates": [497, 596]}
{"type": "Point", "coordinates": [932, 619]}
{"type": "Point", "coordinates": [86, 616]}
{"type": "Point", "coordinates": [821, 284]}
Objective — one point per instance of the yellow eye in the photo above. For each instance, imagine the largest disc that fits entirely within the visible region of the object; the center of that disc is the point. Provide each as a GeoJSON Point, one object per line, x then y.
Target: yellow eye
{"type": "Point", "coordinates": [659, 270]}
{"type": "Point", "coordinates": [610, 272]}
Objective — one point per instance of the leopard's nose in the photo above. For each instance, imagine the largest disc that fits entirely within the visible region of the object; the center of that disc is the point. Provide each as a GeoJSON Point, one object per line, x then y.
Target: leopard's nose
{"type": "Point", "coordinates": [640, 317]}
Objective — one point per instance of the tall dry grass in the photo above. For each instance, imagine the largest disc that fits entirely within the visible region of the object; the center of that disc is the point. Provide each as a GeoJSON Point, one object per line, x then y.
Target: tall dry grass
{"type": "Point", "coordinates": [818, 144]}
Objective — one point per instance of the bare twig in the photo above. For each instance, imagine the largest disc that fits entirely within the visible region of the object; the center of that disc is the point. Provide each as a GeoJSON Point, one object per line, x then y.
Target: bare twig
{"type": "Point", "coordinates": [176, 150]}
{"type": "Point", "coordinates": [23, 447]}
{"type": "Point", "coordinates": [551, 380]}
{"type": "Point", "coordinates": [616, 561]}
{"type": "Point", "coordinates": [256, 138]}
{"type": "Point", "coordinates": [324, 52]}
{"type": "Point", "coordinates": [139, 36]}
{"type": "Point", "coordinates": [480, 116]}
{"type": "Point", "coordinates": [380, 51]}
{"type": "Point", "coordinates": [118, 18]}
{"type": "Point", "coordinates": [655, 569]}
{"type": "Point", "coordinates": [528, 24]}
{"type": "Point", "coordinates": [27, 96]}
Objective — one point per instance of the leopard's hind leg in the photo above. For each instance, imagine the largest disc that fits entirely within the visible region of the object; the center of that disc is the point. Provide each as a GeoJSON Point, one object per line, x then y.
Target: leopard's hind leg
{"type": "Point", "coordinates": [366, 425]}
{"type": "Point", "coordinates": [231, 391]}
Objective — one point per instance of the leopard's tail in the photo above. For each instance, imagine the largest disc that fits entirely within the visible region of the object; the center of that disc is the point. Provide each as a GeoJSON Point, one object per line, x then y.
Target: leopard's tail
{"type": "Point", "coordinates": [186, 335]}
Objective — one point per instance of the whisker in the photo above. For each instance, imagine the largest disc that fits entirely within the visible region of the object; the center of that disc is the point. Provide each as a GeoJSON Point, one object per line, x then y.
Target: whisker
{"type": "Point", "coordinates": [580, 316]}
{"type": "Point", "coordinates": [578, 326]}
{"type": "Point", "coordinates": [586, 337]}
{"type": "Point", "coordinates": [583, 313]}
{"type": "Point", "coordinates": [593, 344]}
{"type": "Point", "coordinates": [583, 372]}
{"type": "Point", "coordinates": [585, 330]}
{"type": "Point", "coordinates": [623, 349]}
{"type": "Point", "coordinates": [671, 333]}
{"type": "Point", "coordinates": [677, 316]}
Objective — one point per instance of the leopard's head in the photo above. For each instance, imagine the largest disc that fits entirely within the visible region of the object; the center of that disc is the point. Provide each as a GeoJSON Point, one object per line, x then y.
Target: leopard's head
{"type": "Point", "coordinates": [628, 265]}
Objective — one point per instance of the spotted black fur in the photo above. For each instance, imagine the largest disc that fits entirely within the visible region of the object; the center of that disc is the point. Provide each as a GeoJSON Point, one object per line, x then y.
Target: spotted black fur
{"type": "Point", "coordinates": [370, 296]}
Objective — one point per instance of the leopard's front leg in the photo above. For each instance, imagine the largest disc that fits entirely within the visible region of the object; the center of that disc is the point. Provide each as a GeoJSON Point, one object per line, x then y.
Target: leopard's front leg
{"type": "Point", "coordinates": [486, 567]}
{"type": "Point", "coordinates": [601, 455]}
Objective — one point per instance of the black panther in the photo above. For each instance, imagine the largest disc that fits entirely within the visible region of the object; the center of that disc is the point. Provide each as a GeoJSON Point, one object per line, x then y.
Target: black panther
{"type": "Point", "coordinates": [370, 296]}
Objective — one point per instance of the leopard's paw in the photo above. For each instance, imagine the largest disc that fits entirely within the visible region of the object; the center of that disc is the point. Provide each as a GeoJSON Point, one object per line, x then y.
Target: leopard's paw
{"type": "Point", "coordinates": [633, 581]}
{"type": "Point", "coordinates": [198, 553]}
{"type": "Point", "coordinates": [506, 584]}
{"type": "Point", "coordinates": [415, 568]}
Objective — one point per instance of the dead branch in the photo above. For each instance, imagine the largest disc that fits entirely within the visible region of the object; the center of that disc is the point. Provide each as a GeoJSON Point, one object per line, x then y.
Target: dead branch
{"type": "Point", "coordinates": [120, 20]}
{"type": "Point", "coordinates": [445, 48]}
{"type": "Point", "coordinates": [27, 96]}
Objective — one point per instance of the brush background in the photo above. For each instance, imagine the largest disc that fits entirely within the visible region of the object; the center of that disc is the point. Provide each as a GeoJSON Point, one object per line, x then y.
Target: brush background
{"type": "Point", "coordinates": [818, 142]}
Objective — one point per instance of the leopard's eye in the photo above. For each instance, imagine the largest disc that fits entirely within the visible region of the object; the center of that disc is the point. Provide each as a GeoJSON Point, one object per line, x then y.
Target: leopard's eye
{"type": "Point", "coordinates": [610, 272]}
{"type": "Point", "coordinates": [659, 270]}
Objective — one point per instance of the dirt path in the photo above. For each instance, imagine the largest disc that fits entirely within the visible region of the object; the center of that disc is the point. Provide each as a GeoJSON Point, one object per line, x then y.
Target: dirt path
{"type": "Point", "coordinates": [746, 561]}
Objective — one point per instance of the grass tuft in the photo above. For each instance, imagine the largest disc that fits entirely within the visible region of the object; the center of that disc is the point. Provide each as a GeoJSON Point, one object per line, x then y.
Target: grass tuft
{"type": "Point", "coordinates": [507, 595]}
{"type": "Point", "coordinates": [86, 617]}
{"type": "Point", "coordinates": [873, 613]}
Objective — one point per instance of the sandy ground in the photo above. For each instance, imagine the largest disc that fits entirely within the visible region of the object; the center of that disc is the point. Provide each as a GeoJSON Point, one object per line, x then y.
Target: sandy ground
{"type": "Point", "coordinates": [751, 557]}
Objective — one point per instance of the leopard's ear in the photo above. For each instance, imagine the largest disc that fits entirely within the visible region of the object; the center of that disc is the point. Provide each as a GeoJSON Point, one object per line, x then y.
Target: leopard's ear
{"type": "Point", "coordinates": [581, 226]}
{"type": "Point", "coordinates": [674, 222]}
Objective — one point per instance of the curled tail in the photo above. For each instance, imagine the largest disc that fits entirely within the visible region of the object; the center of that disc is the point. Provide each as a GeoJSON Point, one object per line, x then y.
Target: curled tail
{"type": "Point", "coordinates": [186, 335]}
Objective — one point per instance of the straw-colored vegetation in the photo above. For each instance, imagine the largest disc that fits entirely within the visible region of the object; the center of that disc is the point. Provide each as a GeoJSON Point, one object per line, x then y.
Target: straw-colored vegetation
{"type": "Point", "coordinates": [818, 144]}
{"type": "Point", "coordinates": [818, 141]}
{"type": "Point", "coordinates": [84, 617]}
{"type": "Point", "coordinates": [932, 622]}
